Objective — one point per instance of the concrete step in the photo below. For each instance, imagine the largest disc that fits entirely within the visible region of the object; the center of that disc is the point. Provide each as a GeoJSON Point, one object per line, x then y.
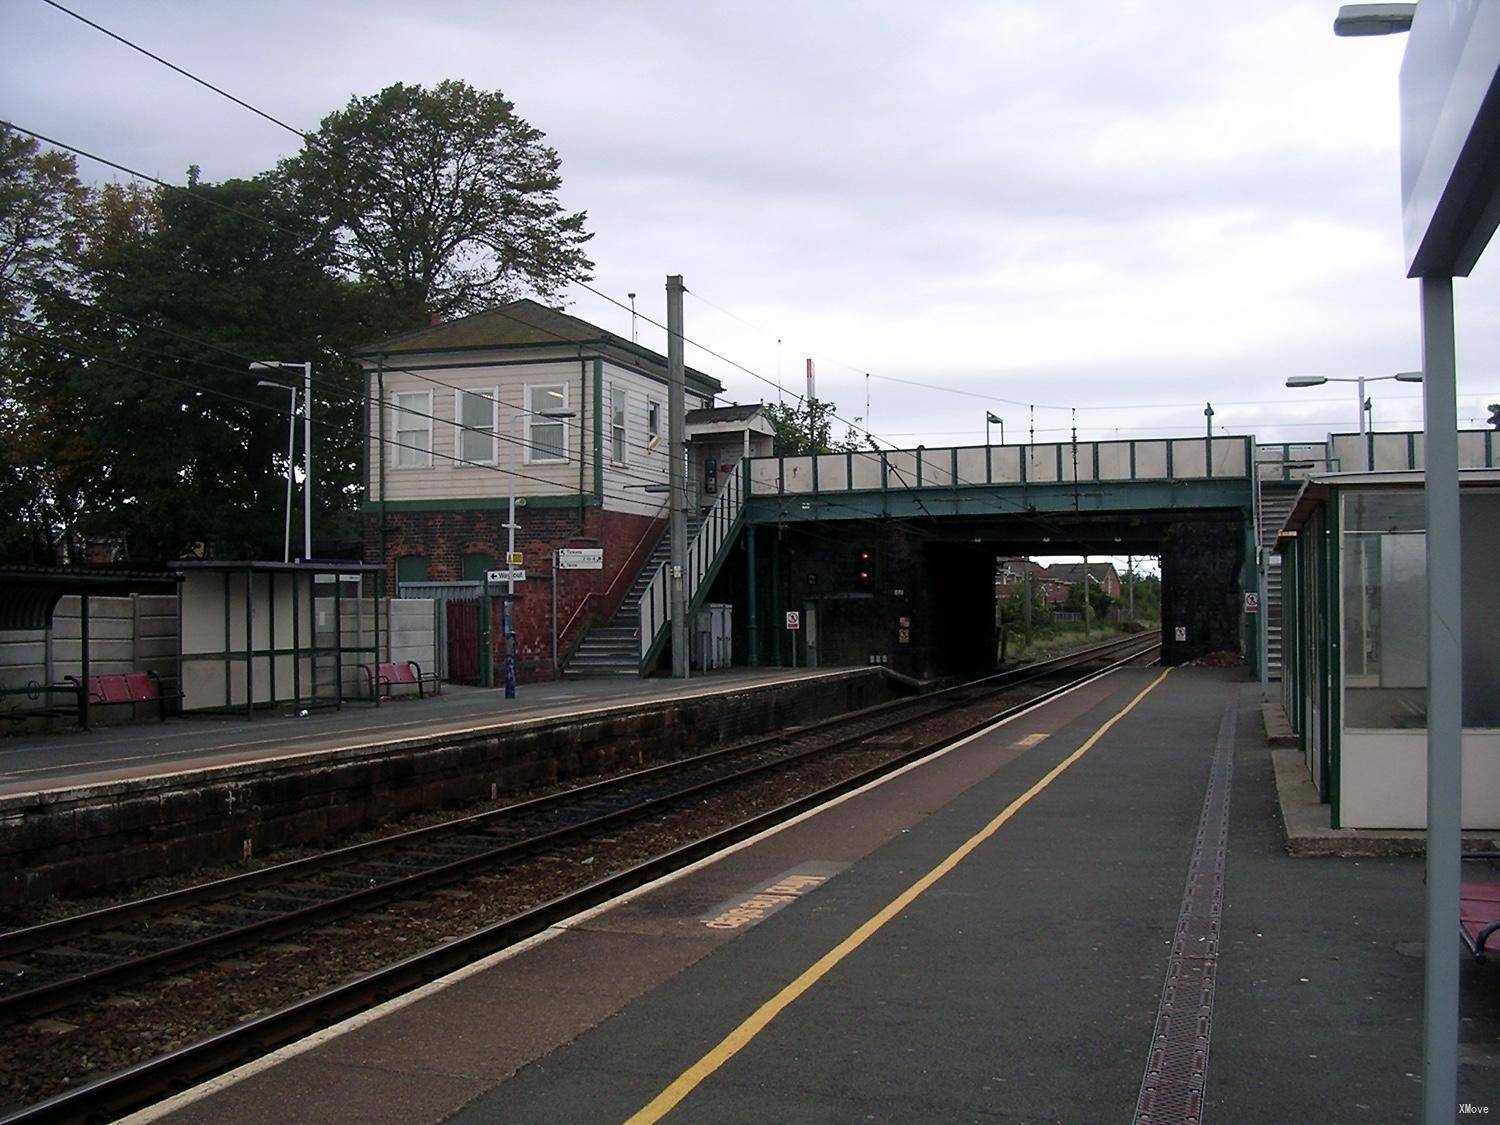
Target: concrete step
{"type": "Point", "coordinates": [598, 659]}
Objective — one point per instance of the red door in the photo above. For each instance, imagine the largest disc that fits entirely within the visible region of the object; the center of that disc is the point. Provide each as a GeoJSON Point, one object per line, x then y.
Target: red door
{"type": "Point", "coordinates": [463, 641]}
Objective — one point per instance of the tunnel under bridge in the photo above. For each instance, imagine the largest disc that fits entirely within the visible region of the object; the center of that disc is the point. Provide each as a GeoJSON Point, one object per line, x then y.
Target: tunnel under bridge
{"type": "Point", "coordinates": [889, 556]}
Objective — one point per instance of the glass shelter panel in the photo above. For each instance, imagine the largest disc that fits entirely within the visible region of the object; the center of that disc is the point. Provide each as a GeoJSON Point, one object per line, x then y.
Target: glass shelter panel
{"type": "Point", "coordinates": [1384, 611]}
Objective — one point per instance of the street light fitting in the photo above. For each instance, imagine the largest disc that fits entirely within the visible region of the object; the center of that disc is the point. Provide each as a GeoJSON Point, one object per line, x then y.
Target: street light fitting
{"type": "Point", "coordinates": [1408, 376]}
{"type": "Point", "coordinates": [1374, 19]}
{"type": "Point", "coordinates": [1307, 380]}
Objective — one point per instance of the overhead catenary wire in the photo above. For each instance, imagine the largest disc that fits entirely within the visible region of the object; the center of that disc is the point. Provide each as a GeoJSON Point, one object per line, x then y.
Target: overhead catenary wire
{"type": "Point", "coordinates": [268, 223]}
{"type": "Point", "coordinates": [357, 399]}
{"type": "Point", "coordinates": [582, 284]}
{"type": "Point", "coordinates": [77, 349]}
{"type": "Point", "coordinates": [312, 139]}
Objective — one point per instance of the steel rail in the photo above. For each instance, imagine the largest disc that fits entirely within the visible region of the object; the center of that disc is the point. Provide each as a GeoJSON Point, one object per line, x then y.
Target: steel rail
{"type": "Point", "coordinates": [63, 929]}
{"type": "Point", "coordinates": [155, 1078]}
{"type": "Point", "coordinates": [49, 997]}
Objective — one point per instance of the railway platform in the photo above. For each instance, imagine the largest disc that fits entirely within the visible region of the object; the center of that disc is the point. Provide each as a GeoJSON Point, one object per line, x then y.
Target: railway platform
{"type": "Point", "coordinates": [32, 763]}
{"type": "Point", "coordinates": [1021, 928]}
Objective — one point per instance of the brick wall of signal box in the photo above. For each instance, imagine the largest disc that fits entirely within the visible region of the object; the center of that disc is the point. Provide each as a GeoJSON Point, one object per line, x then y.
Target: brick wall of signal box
{"type": "Point", "coordinates": [444, 538]}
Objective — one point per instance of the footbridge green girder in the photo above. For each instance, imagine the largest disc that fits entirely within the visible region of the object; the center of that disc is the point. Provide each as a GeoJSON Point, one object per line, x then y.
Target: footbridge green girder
{"type": "Point", "coordinates": [1058, 479]}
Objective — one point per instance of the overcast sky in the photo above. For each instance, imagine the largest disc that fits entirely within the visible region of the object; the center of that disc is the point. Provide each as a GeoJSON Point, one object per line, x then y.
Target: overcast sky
{"type": "Point", "coordinates": [1130, 208]}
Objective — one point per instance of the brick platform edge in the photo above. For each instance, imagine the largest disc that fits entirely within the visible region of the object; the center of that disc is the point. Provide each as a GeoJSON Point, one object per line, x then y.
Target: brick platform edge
{"type": "Point", "coordinates": [70, 842]}
{"type": "Point", "coordinates": [1307, 821]}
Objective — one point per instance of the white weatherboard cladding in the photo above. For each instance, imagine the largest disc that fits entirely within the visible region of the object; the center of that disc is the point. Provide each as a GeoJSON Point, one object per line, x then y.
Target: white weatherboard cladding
{"type": "Point", "coordinates": [625, 485]}
{"type": "Point", "coordinates": [506, 379]}
{"type": "Point", "coordinates": [447, 479]}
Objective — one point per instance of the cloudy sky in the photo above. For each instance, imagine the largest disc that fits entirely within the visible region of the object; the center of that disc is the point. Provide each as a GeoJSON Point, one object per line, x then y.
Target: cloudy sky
{"type": "Point", "coordinates": [1127, 208]}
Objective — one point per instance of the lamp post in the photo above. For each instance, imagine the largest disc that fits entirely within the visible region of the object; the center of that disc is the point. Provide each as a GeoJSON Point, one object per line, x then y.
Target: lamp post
{"type": "Point", "coordinates": [291, 446]}
{"type": "Point", "coordinates": [506, 629]}
{"type": "Point", "coordinates": [307, 472]}
{"type": "Point", "coordinates": [1360, 381]}
{"type": "Point", "coordinates": [990, 418]}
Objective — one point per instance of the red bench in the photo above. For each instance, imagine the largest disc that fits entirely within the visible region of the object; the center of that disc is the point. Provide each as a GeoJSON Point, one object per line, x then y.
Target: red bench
{"type": "Point", "coordinates": [387, 676]}
{"type": "Point", "coordinates": [1479, 910]}
{"type": "Point", "coordinates": [124, 687]}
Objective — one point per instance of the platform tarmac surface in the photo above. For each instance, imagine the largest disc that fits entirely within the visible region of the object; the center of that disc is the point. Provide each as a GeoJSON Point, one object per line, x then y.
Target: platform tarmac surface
{"type": "Point", "coordinates": [31, 763]}
{"type": "Point", "coordinates": [1020, 986]}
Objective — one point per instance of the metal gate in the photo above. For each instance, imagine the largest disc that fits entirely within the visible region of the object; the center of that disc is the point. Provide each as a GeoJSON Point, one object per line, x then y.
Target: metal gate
{"type": "Point", "coordinates": [463, 640]}
{"type": "Point", "coordinates": [458, 651]}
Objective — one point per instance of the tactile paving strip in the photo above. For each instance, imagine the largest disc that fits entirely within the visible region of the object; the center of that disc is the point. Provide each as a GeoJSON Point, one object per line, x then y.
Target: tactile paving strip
{"type": "Point", "coordinates": [1177, 1068]}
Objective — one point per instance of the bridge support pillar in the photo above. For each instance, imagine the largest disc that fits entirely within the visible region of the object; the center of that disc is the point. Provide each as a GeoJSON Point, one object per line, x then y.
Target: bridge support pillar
{"type": "Point", "coordinates": [752, 609]}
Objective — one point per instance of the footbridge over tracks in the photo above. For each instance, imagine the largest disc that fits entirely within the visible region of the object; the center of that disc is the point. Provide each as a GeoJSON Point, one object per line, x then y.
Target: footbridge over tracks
{"type": "Point", "coordinates": [888, 556]}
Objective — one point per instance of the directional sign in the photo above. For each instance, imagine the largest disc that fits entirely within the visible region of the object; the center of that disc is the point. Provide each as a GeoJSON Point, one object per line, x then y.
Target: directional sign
{"type": "Point", "coordinates": [503, 576]}
{"type": "Point", "coordinates": [793, 619]}
{"type": "Point", "coordinates": [580, 558]}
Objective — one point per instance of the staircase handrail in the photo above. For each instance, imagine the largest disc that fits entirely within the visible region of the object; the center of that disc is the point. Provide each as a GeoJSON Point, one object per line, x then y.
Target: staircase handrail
{"type": "Point", "coordinates": [704, 552]}
{"type": "Point", "coordinates": [625, 569]}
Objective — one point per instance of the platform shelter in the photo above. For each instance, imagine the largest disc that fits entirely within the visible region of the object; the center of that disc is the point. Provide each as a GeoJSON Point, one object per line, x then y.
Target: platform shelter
{"type": "Point", "coordinates": [1355, 688]}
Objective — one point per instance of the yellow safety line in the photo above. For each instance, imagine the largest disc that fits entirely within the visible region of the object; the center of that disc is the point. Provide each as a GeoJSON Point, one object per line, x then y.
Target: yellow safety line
{"type": "Point", "coordinates": [741, 1036]}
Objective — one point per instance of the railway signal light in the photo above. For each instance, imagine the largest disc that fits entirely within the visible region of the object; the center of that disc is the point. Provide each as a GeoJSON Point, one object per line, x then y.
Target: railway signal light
{"type": "Point", "coordinates": [863, 568]}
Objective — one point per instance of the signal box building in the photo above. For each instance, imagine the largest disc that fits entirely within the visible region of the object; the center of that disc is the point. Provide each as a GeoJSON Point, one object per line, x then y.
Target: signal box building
{"type": "Point", "coordinates": [573, 417]}
{"type": "Point", "coordinates": [1353, 553]}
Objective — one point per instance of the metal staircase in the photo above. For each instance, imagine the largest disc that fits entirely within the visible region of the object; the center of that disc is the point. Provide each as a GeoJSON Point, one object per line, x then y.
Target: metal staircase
{"type": "Point", "coordinates": [706, 552]}
{"type": "Point", "coordinates": [1276, 500]}
{"type": "Point", "coordinates": [611, 648]}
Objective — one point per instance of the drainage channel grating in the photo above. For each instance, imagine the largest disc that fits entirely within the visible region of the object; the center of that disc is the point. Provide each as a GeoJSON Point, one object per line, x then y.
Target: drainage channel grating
{"type": "Point", "coordinates": [1177, 1067]}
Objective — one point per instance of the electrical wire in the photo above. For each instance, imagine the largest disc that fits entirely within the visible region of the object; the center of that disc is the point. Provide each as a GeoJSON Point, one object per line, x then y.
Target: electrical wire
{"type": "Point", "coordinates": [74, 347]}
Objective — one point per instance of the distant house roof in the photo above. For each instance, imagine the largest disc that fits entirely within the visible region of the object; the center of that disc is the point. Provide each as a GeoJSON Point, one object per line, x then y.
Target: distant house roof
{"type": "Point", "coordinates": [1073, 572]}
{"type": "Point", "coordinates": [526, 324]}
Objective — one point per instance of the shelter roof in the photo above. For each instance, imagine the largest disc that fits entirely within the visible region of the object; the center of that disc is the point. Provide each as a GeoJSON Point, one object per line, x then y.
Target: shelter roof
{"type": "Point", "coordinates": [29, 594]}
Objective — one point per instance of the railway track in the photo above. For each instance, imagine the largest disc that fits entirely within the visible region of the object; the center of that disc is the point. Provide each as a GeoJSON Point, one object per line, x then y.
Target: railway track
{"type": "Point", "coordinates": [75, 964]}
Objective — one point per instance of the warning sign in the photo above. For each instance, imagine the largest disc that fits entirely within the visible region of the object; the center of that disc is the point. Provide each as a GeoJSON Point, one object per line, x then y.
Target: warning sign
{"type": "Point", "coordinates": [1179, 633]}
{"type": "Point", "coordinates": [1252, 602]}
{"type": "Point", "coordinates": [793, 619]}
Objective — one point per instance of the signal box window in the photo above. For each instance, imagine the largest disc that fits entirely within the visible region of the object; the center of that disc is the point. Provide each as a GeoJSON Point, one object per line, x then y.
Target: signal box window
{"type": "Point", "coordinates": [617, 425]}
{"type": "Point", "coordinates": [546, 437]}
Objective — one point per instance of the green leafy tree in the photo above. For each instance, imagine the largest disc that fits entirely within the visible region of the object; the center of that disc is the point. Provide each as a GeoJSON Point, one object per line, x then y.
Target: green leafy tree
{"type": "Point", "coordinates": [190, 449]}
{"type": "Point", "coordinates": [48, 473]}
{"type": "Point", "coordinates": [806, 426]}
{"type": "Point", "coordinates": [444, 197]}
{"type": "Point", "coordinates": [1099, 601]}
{"type": "Point", "coordinates": [42, 209]}
{"type": "Point", "coordinates": [1013, 610]}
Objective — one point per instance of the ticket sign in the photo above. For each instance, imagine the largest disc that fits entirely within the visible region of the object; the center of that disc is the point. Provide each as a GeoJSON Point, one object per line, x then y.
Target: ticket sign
{"type": "Point", "coordinates": [793, 619]}
{"type": "Point", "coordinates": [580, 558]}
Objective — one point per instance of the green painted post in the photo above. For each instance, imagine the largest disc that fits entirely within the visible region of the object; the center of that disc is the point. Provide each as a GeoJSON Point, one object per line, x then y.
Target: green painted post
{"type": "Point", "coordinates": [752, 610]}
{"type": "Point", "coordinates": [776, 645]}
